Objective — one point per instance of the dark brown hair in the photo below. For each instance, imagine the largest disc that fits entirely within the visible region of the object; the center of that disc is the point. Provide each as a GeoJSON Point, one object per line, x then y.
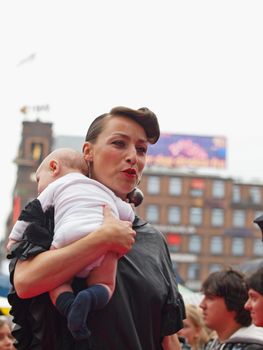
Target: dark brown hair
{"type": "Point", "coordinates": [255, 281]}
{"type": "Point", "coordinates": [143, 116]}
{"type": "Point", "coordinates": [231, 286]}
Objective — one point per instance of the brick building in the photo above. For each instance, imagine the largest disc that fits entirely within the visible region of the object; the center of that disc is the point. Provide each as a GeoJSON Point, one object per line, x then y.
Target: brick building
{"type": "Point", "coordinates": [208, 220]}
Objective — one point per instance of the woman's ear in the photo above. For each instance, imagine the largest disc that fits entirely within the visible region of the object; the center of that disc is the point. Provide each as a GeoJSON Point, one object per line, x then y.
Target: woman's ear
{"type": "Point", "coordinates": [87, 150]}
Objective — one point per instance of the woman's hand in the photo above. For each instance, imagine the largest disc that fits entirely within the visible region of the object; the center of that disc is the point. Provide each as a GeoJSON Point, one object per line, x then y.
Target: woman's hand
{"type": "Point", "coordinates": [119, 234]}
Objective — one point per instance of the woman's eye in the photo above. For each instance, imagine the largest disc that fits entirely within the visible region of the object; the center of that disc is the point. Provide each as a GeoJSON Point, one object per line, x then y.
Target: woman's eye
{"type": "Point", "coordinates": [142, 150]}
{"type": "Point", "coordinates": [119, 143]}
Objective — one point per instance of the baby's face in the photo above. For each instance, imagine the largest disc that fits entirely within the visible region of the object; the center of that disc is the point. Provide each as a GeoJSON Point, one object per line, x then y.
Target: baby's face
{"type": "Point", "coordinates": [43, 177]}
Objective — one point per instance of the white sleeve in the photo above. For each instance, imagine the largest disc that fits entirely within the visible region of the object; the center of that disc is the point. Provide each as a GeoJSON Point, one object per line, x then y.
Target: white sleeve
{"type": "Point", "coordinates": [46, 197]}
{"type": "Point", "coordinates": [125, 210]}
{"type": "Point", "coordinates": [80, 212]}
{"type": "Point", "coordinates": [122, 209]}
{"type": "Point", "coordinates": [18, 230]}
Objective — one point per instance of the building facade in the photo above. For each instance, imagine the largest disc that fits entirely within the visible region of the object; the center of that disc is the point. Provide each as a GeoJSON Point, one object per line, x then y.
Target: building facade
{"type": "Point", "coordinates": [207, 220]}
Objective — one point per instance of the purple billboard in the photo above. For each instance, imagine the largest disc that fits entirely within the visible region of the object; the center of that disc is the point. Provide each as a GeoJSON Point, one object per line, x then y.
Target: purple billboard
{"type": "Point", "coordinates": [173, 150]}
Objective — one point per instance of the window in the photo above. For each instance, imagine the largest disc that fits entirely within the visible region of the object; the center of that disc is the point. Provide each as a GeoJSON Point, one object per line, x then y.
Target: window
{"type": "Point", "coordinates": [218, 189]}
{"type": "Point", "coordinates": [217, 217]}
{"type": "Point", "coordinates": [193, 271]}
{"type": "Point", "coordinates": [196, 216]}
{"type": "Point", "coordinates": [236, 195]}
{"type": "Point", "coordinates": [153, 185]}
{"type": "Point", "coordinates": [214, 268]}
{"type": "Point", "coordinates": [175, 186]}
{"type": "Point", "coordinates": [37, 151]}
{"type": "Point", "coordinates": [216, 245]}
{"type": "Point", "coordinates": [197, 187]}
{"type": "Point", "coordinates": [238, 246]}
{"type": "Point", "coordinates": [152, 213]}
{"type": "Point", "coordinates": [194, 244]}
{"type": "Point", "coordinates": [239, 218]}
{"type": "Point", "coordinates": [174, 215]}
{"type": "Point", "coordinates": [258, 213]}
{"type": "Point", "coordinates": [173, 241]}
{"type": "Point", "coordinates": [257, 248]}
{"type": "Point", "coordinates": [255, 195]}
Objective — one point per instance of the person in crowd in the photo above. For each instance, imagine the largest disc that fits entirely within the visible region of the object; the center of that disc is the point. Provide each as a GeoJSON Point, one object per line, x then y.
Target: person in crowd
{"type": "Point", "coordinates": [254, 304]}
{"type": "Point", "coordinates": [195, 332]}
{"type": "Point", "coordinates": [78, 201]}
{"type": "Point", "coordinates": [146, 309]}
{"type": "Point", "coordinates": [6, 338]}
{"type": "Point", "coordinates": [225, 294]}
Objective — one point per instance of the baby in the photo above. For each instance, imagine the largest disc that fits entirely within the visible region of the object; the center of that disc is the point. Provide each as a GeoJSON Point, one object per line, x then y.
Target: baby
{"type": "Point", "coordinates": [78, 204]}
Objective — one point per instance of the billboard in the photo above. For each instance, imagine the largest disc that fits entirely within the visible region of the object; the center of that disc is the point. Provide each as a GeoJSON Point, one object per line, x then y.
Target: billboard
{"type": "Point", "coordinates": [191, 151]}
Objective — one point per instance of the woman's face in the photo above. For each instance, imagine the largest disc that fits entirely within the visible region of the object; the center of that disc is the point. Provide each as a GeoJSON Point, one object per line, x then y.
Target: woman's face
{"type": "Point", "coordinates": [119, 154]}
{"type": "Point", "coordinates": [190, 332]}
{"type": "Point", "coordinates": [6, 339]}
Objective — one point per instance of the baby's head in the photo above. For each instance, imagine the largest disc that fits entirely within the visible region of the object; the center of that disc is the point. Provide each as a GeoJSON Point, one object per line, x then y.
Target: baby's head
{"type": "Point", "coordinates": [58, 163]}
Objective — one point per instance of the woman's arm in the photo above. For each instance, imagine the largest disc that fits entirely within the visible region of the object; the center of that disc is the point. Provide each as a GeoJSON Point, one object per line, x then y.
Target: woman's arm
{"type": "Point", "coordinates": [171, 342]}
{"type": "Point", "coordinates": [48, 270]}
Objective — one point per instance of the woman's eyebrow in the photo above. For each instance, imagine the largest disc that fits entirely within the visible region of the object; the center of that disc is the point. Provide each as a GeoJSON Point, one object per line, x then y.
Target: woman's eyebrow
{"type": "Point", "coordinates": [119, 133]}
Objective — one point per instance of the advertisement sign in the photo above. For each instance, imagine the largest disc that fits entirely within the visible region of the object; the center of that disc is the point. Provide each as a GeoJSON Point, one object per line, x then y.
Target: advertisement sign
{"type": "Point", "coordinates": [173, 150]}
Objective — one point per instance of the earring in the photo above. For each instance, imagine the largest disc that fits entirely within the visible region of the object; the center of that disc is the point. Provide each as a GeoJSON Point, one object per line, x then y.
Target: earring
{"type": "Point", "coordinates": [136, 197]}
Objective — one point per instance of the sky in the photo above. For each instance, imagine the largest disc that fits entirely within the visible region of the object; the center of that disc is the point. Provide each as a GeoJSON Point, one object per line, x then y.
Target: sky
{"type": "Point", "coordinates": [197, 64]}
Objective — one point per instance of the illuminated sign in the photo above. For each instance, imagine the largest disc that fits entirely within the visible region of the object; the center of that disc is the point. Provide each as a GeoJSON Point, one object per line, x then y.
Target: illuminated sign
{"type": "Point", "coordinates": [173, 239]}
{"type": "Point", "coordinates": [189, 151]}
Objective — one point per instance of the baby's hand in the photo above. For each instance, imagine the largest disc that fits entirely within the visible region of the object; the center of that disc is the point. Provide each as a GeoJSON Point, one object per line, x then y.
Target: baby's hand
{"type": "Point", "coordinates": [9, 244]}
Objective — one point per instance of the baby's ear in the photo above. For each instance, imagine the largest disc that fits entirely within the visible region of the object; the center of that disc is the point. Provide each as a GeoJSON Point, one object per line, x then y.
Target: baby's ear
{"type": "Point", "coordinates": [54, 167]}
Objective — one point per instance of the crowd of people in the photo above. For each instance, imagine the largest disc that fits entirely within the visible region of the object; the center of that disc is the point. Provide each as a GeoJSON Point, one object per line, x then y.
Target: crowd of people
{"type": "Point", "coordinates": [223, 305]}
{"type": "Point", "coordinates": [88, 274]}
{"type": "Point", "coordinates": [230, 315]}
